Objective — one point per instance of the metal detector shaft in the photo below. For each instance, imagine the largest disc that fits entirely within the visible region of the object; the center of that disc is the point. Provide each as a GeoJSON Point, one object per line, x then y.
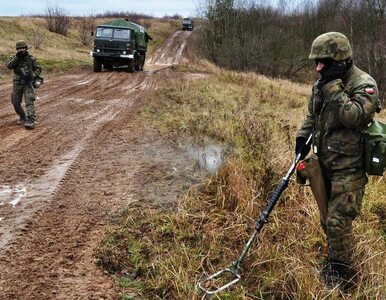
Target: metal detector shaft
{"type": "Point", "coordinates": [270, 205]}
{"type": "Point", "coordinates": [263, 219]}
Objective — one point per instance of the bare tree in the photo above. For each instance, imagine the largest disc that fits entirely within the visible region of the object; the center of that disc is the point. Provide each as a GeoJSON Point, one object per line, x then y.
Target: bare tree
{"type": "Point", "coordinates": [36, 38]}
{"type": "Point", "coordinates": [275, 40]}
{"type": "Point", "coordinates": [58, 20]}
{"type": "Point", "coordinates": [86, 25]}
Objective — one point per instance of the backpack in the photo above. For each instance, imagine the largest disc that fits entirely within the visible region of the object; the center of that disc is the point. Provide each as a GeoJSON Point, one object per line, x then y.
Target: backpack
{"type": "Point", "coordinates": [375, 148]}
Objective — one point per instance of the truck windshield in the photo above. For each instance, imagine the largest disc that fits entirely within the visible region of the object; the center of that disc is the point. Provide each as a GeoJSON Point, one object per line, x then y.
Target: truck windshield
{"type": "Point", "coordinates": [122, 34]}
{"type": "Point", "coordinates": [117, 33]}
{"type": "Point", "coordinates": [104, 32]}
{"type": "Point", "coordinates": [186, 21]}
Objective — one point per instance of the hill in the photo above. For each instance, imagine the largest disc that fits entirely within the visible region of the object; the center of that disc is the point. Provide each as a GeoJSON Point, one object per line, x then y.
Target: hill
{"type": "Point", "coordinates": [58, 53]}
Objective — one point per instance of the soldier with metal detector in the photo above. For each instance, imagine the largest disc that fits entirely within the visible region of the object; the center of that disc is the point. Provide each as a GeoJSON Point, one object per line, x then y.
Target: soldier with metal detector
{"type": "Point", "coordinates": [342, 104]}
{"type": "Point", "coordinates": [26, 79]}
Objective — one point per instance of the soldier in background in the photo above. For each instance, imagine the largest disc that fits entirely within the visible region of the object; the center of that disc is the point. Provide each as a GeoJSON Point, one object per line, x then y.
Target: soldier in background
{"type": "Point", "coordinates": [343, 102]}
{"type": "Point", "coordinates": [26, 70]}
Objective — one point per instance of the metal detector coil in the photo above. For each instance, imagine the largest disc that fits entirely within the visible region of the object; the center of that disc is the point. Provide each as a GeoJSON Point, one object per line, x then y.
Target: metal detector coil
{"type": "Point", "coordinates": [219, 274]}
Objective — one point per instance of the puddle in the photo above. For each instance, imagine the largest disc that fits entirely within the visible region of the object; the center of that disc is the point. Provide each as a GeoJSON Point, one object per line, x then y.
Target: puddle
{"type": "Point", "coordinates": [12, 195]}
{"type": "Point", "coordinates": [209, 157]}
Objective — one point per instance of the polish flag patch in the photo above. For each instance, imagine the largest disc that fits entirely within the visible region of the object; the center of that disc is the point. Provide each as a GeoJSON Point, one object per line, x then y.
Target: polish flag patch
{"type": "Point", "coordinates": [369, 90]}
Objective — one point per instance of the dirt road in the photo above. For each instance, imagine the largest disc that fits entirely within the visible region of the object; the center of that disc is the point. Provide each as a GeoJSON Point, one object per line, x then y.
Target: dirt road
{"type": "Point", "coordinates": [62, 183]}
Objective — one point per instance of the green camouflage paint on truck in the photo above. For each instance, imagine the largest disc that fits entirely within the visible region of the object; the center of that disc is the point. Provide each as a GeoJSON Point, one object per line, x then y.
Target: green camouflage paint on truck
{"type": "Point", "coordinates": [120, 43]}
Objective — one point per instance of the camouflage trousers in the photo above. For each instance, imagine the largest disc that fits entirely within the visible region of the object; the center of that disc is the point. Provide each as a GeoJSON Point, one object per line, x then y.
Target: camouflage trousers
{"type": "Point", "coordinates": [20, 90]}
{"type": "Point", "coordinates": [345, 193]}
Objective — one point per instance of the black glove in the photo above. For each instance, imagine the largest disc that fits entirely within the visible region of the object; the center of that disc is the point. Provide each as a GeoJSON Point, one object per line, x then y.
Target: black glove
{"type": "Point", "coordinates": [301, 147]}
{"type": "Point", "coordinates": [21, 54]}
{"type": "Point", "coordinates": [331, 71]}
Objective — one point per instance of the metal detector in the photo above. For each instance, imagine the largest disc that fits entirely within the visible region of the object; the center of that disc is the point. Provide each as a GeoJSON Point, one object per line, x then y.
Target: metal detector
{"type": "Point", "coordinates": [234, 270]}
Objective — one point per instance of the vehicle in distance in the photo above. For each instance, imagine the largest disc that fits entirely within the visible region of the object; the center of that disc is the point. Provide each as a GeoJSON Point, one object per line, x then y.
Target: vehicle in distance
{"type": "Point", "coordinates": [187, 24]}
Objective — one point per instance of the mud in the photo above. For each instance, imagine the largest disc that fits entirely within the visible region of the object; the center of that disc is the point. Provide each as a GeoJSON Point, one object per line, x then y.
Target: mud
{"type": "Point", "coordinates": [88, 158]}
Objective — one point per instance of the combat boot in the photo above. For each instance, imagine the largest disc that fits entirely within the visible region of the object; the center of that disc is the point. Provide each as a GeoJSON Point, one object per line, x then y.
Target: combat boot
{"type": "Point", "coordinates": [336, 274]}
{"type": "Point", "coordinates": [29, 124]}
{"type": "Point", "coordinates": [22, 120]}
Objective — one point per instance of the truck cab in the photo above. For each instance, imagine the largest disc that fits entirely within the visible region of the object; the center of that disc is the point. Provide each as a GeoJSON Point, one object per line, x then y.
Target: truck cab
{"type": "Point", "coordinates": [187, 24]}
{"type": "Point", "coordinates": [119, 43]}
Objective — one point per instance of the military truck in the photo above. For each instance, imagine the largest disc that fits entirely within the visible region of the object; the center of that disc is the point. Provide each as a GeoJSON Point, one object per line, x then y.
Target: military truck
{"type": "Point", "coordinates": [120, 43]}
{"type": "Point", "coordinates": [187, 24]}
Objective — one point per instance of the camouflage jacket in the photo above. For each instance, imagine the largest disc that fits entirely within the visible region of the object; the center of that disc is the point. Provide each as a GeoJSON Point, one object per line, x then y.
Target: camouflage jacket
{"type": "Point", "coordinates": [25, 69]}
{"type": "Point", "coordinates": [336, 114]}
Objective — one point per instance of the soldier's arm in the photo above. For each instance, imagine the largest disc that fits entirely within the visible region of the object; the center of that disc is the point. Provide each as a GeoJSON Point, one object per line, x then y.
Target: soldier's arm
{"type": "Point", "coordinates": [309, 123]}
{"type": "Point", "coordinates": [36, 67]}
{"type": "Point", "coordinates": [356, 110]}
{"type": "Point", "coordinates": [12, 62]}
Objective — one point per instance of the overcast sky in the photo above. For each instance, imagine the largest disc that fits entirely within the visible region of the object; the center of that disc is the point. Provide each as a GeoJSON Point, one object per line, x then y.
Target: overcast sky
{"type": "Point", "coordinates": [156, 8]}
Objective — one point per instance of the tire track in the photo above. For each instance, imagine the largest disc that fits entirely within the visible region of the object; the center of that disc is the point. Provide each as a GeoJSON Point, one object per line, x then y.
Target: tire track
{"type": "Point", "coordinates": [170, 53]}
{"type": "Point", "coordinates": [76, 171]}
{"type": "Point", "coordinates": [42, 190]}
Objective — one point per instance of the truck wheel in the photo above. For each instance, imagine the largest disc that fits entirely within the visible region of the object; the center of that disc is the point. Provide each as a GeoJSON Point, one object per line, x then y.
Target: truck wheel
{"type": "Point", "coordinates": [137, 62]}
{"type": "Point", "coordinates": [97, 65]}
{"type": "Point", "coordinates": [131, 66]}
{"type": "Point", "coordinates": [143, 59]}
{"type": "Point", "coordinates": [107, 66]}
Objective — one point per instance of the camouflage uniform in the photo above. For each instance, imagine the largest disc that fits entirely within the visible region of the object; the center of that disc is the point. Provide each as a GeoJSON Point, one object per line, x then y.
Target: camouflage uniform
{"type": "Point", "coordinates": [336, 114]}
{"type": "Point", "coordinates": [25, 70]}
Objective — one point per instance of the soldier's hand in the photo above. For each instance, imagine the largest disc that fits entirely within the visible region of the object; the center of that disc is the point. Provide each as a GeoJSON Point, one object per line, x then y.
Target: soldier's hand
{"type": "Point", "coordinates": [301, 147]}
{"type": "Point", "coordinates": [331, 71]}
{"type": "Point", "coordinates": [21, 54]}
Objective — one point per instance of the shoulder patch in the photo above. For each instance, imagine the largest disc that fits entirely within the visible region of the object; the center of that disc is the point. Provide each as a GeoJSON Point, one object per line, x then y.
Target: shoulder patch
{"type": "Point", "coordinates": [369, 90]}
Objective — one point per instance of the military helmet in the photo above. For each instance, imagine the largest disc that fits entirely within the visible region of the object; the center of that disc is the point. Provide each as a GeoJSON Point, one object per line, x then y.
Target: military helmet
{"type": "Point", "coordinates": [21, 44]}
{"type": "Point", "coordinates": [333, 45]}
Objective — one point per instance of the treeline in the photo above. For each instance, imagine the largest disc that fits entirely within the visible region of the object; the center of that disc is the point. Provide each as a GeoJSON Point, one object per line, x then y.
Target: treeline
{"type": "Point", "coordinates": [120, 14]}
{"type": "Point", "coordinates": [133, 16]}
{"type": "Point", "coordinates": [251, 35]}
{"type": "Point", "coordinates": [59, 21]}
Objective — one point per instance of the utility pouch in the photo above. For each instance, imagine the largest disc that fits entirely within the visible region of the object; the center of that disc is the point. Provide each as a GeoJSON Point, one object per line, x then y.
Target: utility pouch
{"type": "Point", "coordinates": [310, 169]}
{"type": "Point", "coordinates": [374, 137]}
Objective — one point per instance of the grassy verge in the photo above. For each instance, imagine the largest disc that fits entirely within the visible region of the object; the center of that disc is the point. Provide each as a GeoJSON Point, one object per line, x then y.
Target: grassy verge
{"type": "Point", "coordinates": [158, 254]}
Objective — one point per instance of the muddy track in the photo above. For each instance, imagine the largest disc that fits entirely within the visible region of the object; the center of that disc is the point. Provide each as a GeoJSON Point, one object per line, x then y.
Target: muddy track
{"type": "Point", "coordinates": [61, 183]}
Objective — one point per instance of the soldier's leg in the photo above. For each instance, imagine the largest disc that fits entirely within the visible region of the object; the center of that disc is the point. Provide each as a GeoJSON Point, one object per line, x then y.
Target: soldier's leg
{"type": "Point", "coordinates": [29, 95]}
{"type": "Point", "coordinates": [17, 98]}
{"type": "Point", "coordinates": [339, 226]}
{"type": "Point", "coordinates": [343, 207]}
